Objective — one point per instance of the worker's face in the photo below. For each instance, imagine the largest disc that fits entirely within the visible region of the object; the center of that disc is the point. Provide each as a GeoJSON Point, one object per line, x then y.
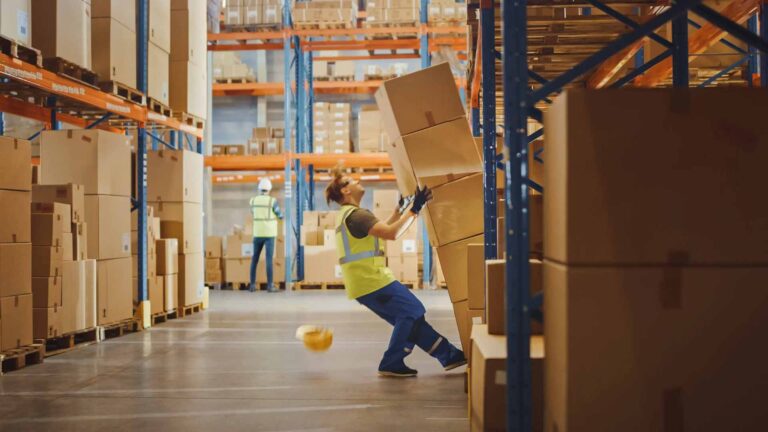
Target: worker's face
{"type": "Point", "coordinates": [354, 188]}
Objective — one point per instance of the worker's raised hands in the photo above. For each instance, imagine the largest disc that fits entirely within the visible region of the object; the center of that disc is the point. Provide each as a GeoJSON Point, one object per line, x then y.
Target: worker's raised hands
{"type": "Point", "coordinates": [421, 197]}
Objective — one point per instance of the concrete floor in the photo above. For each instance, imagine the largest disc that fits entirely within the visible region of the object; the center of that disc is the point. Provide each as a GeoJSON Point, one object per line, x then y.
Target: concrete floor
{"type": "Point", "coordinates": [238, 367]}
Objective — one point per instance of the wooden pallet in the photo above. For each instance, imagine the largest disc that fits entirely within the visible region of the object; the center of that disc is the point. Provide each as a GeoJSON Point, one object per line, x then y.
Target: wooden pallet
{"type": "Point", "coordinates": [24, 53]}
{"type": "Point", "coordinates": [69, 341]}
{"type": "Point", "coordinates": [189, 119]}
{"type": "Point", "coordinates": [235, 80]}
{"type": "Point", "coordinates": [123, 92]}
{"type": "Point", "coordinates": [251, 28]}
{"type": "Point", "coordinates": [159, 107]}
{"type": "Point", "coordinates": [377, 77]}
{"type": "Point", "coordinates": [109, 331]}
{"type": "Point", "coordinates": [386, 25]}
{"type": "Point", "coordinates": [18, 358]}
{"type": "Point", "coordinates": [71, 70]}
{"type": "Point", "coordinates": [162, 317]}
{"type": "Point", "coordinates": [189, 310]}
{"type": "Point", "coordinates": [319, 286]}
{"type": "Point", "coordinates": [348, 78]}
{"type": "Point", "coordinates": [329, 25]}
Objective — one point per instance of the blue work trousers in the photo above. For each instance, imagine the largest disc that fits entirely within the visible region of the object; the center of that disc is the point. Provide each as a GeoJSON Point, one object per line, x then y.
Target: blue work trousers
{"type": "Point", "coordinates": [397, 305]}
{"type": "Point", "coordinates": [258, 246]}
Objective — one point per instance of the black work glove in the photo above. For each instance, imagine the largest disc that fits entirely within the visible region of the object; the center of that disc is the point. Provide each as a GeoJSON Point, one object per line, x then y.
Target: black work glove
{"type": "Point", "coordinates": [420, 198]}
{"type": "Point", "coordinates": [400, 201]}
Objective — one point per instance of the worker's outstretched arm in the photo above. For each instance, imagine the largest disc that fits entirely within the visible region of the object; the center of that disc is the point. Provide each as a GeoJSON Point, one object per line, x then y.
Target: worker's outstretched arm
{"type": "Point", "coordinates": [276, 210]}
{"type": "Point", "coordinates": [388, 231]}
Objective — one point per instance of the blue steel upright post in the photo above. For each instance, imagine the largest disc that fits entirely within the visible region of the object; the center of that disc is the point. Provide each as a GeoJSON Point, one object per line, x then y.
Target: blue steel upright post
{"type": "Point", "coordinates": [516, 110]}
{"type": "Point", "coordinates": [301, 129]}
{"type": "Point", "coordinates": [287, 149]}
{"type": "Point", "coordinates": [142, 45]}
{"type": "Point", "coordinates": [425, 63]}
{"type": "Point", "coordinates": [310, 129]}
{"type": "Point", "coordinates": [763, 28]}
{"type": "Point", "coordinates": [680, 51]}
{"type": "Point", "coordinates": [488, 59]}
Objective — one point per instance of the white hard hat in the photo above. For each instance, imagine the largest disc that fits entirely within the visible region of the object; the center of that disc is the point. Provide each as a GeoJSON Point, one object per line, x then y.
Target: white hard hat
{"type": "Point", "coordinates": [265, 185]}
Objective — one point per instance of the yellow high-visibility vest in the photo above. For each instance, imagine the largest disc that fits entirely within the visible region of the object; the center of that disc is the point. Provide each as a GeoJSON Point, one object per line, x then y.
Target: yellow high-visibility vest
{"type": "Point", "coordinates": [264, 218]}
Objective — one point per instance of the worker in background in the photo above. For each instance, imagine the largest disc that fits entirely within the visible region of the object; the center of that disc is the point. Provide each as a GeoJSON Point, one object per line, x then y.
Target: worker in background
{"type": "Point", "coordinates": [265, 212]}
{"type": "Point", "coordinates": [360, 239]}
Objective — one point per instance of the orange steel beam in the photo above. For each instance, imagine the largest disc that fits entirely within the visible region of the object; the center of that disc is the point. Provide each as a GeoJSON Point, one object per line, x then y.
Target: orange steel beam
{"type": "Point", "coordinates": [277, 162]}
{"type": "Point", "coordinates": [246, 36]}
{"type": "Point", "coordinates": [703, 39]}
{"type": "Point", "coordinates": [228, 179]}
{"type": "Point", "coordinates": [323, 87]}
{"type": "Point", "coordinates": [476, 76]}
{"type": "Point", "coordinates": [366, 57]}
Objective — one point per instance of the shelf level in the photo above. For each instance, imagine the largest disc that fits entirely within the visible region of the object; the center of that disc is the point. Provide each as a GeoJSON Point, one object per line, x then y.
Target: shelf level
{"type": "Point", "coordinates": [320, 87]}
{"type": "Point", "coordinates": [278, 162]}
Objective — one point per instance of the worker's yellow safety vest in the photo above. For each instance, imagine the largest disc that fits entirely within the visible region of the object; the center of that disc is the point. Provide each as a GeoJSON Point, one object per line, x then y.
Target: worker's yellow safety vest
{"type": "Point", "coordinates": [363, 261]}
{"type": "Point", "coordinates": [264, 218]}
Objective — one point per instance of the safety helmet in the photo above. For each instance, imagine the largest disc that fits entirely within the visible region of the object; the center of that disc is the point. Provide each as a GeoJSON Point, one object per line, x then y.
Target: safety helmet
{"type": "Point", "coordinates": [315, 338]}
{"type": "Point", "coordinates": [265, 185]}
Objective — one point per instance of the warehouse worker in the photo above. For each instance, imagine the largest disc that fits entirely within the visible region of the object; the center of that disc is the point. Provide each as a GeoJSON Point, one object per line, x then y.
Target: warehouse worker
{"type": "Point", "coordinates": [265, 212]}
{"type": "Point", "coordinates": [360, 240]}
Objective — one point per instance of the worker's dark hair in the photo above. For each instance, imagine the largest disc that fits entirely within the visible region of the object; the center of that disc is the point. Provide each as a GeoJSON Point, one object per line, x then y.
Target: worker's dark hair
{"type": "Point", "coordinates": [333, 190]}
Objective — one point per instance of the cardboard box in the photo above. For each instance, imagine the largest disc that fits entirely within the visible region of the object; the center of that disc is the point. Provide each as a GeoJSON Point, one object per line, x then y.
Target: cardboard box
{"type": "Point", "coordinates": [46, 261]}
{"type": "Point", "coordinates": [453, 260]}
{"type": "Point", "coordinates": [160, 24]}
{"type": "Point", "coordinates": [167, 256]}
{"type": "Point", "coordinates": [109, 223]}
{"type": "Point", "coordinates": [188, 34]}
{"type": "Point", "coordinates": [114, 48]}
{"type": "Point", "coordinates": [63, 29]}
{"type": "Point", "coordinates": [15, 321]}
{"type": "Point", "coordinates": [46, 322]}
{"type": "Point", "coordinates": [237, 270]}
{"type": "Point", "coordinates": [235, 150]}
{"type": "Point", "coordinates": [159, 69]}
{"type": "Point", "coordinates": [495, 292]}
{"type": "Point", "coordinates": [640, 345]}
{"type": "Point", "coordinates": [322, 264]}
{"type": "Point", "coordinates": [278, 270]}
{"type": "Point", "coordinates": [98, 160]}
{"type": "Point", "coordinates": [46, 292]}
{"type": "Point", "coordinates": [123, 11]}
{"type": "Point", "coordinates": [68, 247]}
{"type": "Point", "coordinates": [156, 293]}
{"type": "Point", "coordinates": [86, 313]}
{"type": "Point", "coordinates": [434, 156]}
{"type": "Point", "coordinates": [15, 154]}
{"type": "Point", "coordinates": [419, 100]}
{"type": "Point", "coordinates": [182, 221]}
{"type": "Point", "coordinates": [186, 235]}
{"type": "Point", "coordinates": [670, 218]}
{"type": "Point", "coordinates": [174, 176]}
{"type": "Point", "coordinates": [15, 269]}
{"type": "Point", "coordinates": [170, 291]}
{"type": "Point", "coordinates": [70, 194]}
{"type": "Point", "coordinates": [14, 20]}
{"type": "Point", "coordinates": [72, 294]}
{"type": "Point", "coordinates": [488, 381]}
{"type": "Point", "coordinates": [455, 212]}
{"type": "Point", "coordinates": [214, 277]}
{"type": "Point", "coordinates": [15, 226]}
{"type": "Point", "coordinates": [213, 247]}
{"type": "Point", "coordinates": [191, 279]}
{"type": "Point", "coordinates": [385, 199]}
{"type": "Point", "coordinates": [80, 238]}
{"type": "Point", "coordinates": [114, 298]}
{"type": "Point", "coordinates": [476, 276]}
{"type": "Point", "coordinates": [212, 264]}
{"type": "Point", "coordinates": [461, 313]}
{"type": "Point", "coordinates": [405, 268]}
{"type": "Point", "coordinates": [239, 246]}
{"type": "Point", "coordinates": [49, 223]}
{"type": "Point", "coordinates": [185, 94]}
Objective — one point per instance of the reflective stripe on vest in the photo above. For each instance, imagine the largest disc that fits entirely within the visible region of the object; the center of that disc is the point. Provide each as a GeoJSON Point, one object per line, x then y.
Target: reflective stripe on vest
{"type": "Point", "coordinates": [348, 255]}
{"type": "Point", "coordinates": [270, 213]}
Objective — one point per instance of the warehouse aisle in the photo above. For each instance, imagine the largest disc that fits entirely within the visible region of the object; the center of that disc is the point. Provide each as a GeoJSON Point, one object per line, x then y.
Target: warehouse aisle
{"type": "Point", "coordinates": [238, 367]}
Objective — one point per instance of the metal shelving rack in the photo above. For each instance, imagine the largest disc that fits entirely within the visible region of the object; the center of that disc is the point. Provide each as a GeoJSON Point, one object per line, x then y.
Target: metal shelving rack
{"type": "Point", "coordinates": [70, 101]}
{"type": "Point", "coordinates": [522, 89]}
{"type": "Point", "coordinates": [299, 89]}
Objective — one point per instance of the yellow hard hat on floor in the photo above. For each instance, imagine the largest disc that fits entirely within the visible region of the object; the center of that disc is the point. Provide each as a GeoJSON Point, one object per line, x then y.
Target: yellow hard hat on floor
{"type": "Point", "coordinates": [315, 338]}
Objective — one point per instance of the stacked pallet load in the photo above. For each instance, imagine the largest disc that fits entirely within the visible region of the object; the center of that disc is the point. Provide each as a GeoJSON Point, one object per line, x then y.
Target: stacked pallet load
{"type": "Point", "coordinates": [446, 12]}
{"type": "Point", "coordinates": [214, 269]}
{"type": "Point", "coordinates": [377, 73]}
{"type": "Point", "coordinates": [174, 189]}
{"type": "Point", "coordinates": [402, 254]}
{"type": "Point", "coordinates": [238, 252]}
{"type": "Point", "coordinates": [266, 140]}
{"type": "Point", "coordinates": [331, 134]}
{"type": "Point", "coordinates": [372, 138]}
{"type": "Point", "coordinates": [113, 42]}
{"type": "Point", "coordinates": [101, 162]}
{"type": "Point", "coordinates": [152, 233]}
{"type": "Point", "coordinates": [188, 60]}
{"type": "Point", "coordinates": [15, 245]}
{"type": "Point", "coordinates": [253, 14]}
{"type": "Point", "coordinates": [228, 68]}
{"type": "Point", "coordinates": [159, 56]}
{"type": "Point", "coordinates": [165, 298]}
{"type": "Point", "coordinates": [62, 32]}
{"type": "Point", "coordinates": [390, 13]}
{"type": "Point", "coordinates": [233, 149]}
{"type": "Point", "coordinates": [318, 237]}
{"type": "Point", "coordinates": [325, 14]}
{"type": "Point", "coordinates": [658, 282]}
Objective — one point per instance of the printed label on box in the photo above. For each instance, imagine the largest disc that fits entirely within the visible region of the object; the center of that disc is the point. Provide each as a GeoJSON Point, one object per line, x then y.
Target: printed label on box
{"type": "Point", "coordinates": [337, 271]}
{"type": "Point", "coordinates": [246, 250]}
{"type": "Point", "coordinates": [409, 246]}
{"type": "Point", "coordinates": [126, 242]}
{"type": "Point", "coordinates": [22, 20]}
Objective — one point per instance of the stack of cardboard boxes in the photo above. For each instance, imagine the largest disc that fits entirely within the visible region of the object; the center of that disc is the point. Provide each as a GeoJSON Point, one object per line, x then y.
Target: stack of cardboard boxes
{"type": "Point", "coordinates": [446, 11]}
{"type": "Point", "coordinates": [214, 271]}
{"type": "Point", "coordinates": [331, 133]}
{"type": "Point", "coordinates": [318, 236]}
{"type": "Point", "coordinates": [152, 233]}
{"type": "Point", "coordinates": [64, 281]}
{"type": "Point", "coordinates": [16, 24]}
{"type": "Point", "coordinates": [402, 254]}
{"type": "Point", "coordinates": [237, 258]}
{"type": "Point", "coordinates": [372, 138]}
{"type": "Point", "coordinates": [62, 28]}
{"type": "Point", "coordinates": [266, 140]}
{"type": "Point", "coordinates": [227, 66]}
{"type": "Point", "coordinates": [433, 146]}
{"type": "Point", "coordinates": [15, 244]}
{"type": "Point", "coordinates": [159, 54]}
{"type": "Point", "coordinates": [101, 162]}
{"type": "Point", "coordinates": [253, 13]}
{"type": "Point", "coordinates": [656, 282]}
{"type": "Point", "coordinates": [174, 187]}
{"type": "Point", "coordinates": [165, 297]}
{"type": "Point", "coordinates": [387, 12]}
{"type": "Point", "coordinates": [188, 57]}
{"type": "Point", "coordinates": [341, 13]}
{"type": "Point", "coordinates": [113, 42]}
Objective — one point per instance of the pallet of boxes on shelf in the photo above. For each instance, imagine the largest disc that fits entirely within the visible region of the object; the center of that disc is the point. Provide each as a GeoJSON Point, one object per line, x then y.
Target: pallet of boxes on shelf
{"type": "Point", "coordinates": [62, 32]}
{"type": "Point", "coordinates": [446, 12]}
{"type": "Point", "coordinates": [253, 15]}
{"type": "Point", "coordinates": [100, 161]}
{"type": "Point", "coordinates": [214, 269]}
{"type": "Point", "coordinates": [188, 61]}
{"type": "Point", "coordinates": [16, 294]}
{"type": "Point", "coordinates": [372, 138]}
{"type": "Point", "coordinates": [113, 46]}
{"type": "Point", "coordinates": [228, 68]}
{"type": "Point", "coordinates": [392, 13]}
{"type": "Point", "coordinates": [266, 141]}
{"type": "Point", "coordinates": [159, 57]}
{"type": "Point", "coordinates": [332, 125]}
{"type": "Point", "coordinates": [167, 286]}
{"type": "Point", "coordinates": [174, 189]}
{"type": "Point", "coordinates": [318, 237]}
{"type": "Point", "coordinates": [325, 14]}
